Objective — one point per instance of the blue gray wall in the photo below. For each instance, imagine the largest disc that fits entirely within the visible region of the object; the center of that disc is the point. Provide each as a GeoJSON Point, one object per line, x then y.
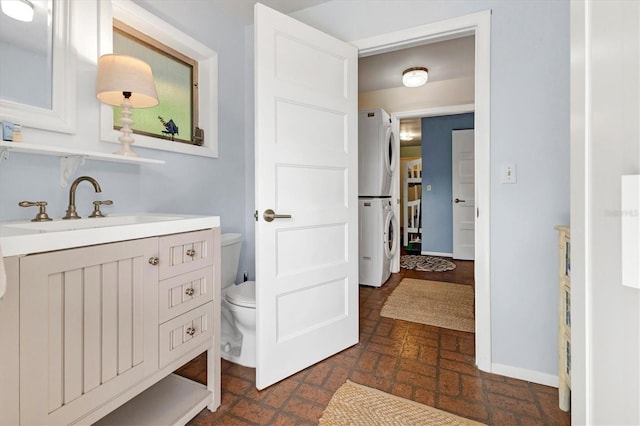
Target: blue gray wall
{"type": "Point", "coordinates": [437, 212]}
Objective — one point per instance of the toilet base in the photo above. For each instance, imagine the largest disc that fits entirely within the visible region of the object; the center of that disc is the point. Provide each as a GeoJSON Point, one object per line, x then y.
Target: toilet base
{"type": "Point", "coordinates": [247, 357]}
{"type": "Point", "coordinates": [241, 323]}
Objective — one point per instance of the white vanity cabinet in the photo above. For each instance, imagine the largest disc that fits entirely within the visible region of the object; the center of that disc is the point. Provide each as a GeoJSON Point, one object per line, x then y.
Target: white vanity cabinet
{"type": "Point", "coordinates": [99, 325]}
{"type": "Point", "coordinates": [87, 322]}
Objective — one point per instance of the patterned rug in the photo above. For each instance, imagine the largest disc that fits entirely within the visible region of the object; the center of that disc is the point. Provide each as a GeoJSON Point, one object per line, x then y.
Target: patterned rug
{"type": "Point", "coordinates": [434, 303]}
{"type": "Point", "coordinates": [355, 404]}
{"type": "Point", "coordinates": [426, 263]}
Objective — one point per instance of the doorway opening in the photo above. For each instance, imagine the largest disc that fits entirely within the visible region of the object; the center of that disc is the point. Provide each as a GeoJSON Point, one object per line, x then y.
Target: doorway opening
{"type": "Point", "coordinates": [411, 184]}
{"type": "Point", "coordinates": [479, 26]}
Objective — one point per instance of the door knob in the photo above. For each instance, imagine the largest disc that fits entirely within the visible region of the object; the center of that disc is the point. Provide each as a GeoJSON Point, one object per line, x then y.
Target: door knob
{"type": "Point", "coordinates": [458, 200]}
{"type": "Point", "coordinates": [269, 215]}
{"type": "Point", "coordinates": [154, 261]}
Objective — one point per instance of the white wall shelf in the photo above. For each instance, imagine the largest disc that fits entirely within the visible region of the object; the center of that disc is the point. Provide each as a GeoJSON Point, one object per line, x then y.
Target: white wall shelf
{"type": "Point", "coordinates": [70, 158]}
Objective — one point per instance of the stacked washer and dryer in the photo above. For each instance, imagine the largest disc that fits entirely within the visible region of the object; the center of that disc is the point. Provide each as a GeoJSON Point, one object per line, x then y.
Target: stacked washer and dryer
{"type": "Point", "coordinates": [378, 226]}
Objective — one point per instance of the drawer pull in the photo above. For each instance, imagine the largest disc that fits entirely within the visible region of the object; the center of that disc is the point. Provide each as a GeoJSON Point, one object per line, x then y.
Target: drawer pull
{"type": "Point", "coordinates": [154, 260]}
{"type": "Point", "coordinates": [189, 292]}
{"type": "Point", "coordinates": [191, 331]}
{"type": "Point", "coordinates": [191, 252]}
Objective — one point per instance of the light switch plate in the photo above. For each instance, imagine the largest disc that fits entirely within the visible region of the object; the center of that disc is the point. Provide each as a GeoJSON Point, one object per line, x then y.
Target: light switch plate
{"type": "Point", "coordinates": [428, 187]}
{"type": "Point", "coordinates": [509, 173]}
{"type": "Point", "coordinates": [630, 218]}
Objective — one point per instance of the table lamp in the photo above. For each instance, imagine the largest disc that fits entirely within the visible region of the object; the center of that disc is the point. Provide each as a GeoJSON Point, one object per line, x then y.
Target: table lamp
{"type": "Point", "coordinates": [127, 82]}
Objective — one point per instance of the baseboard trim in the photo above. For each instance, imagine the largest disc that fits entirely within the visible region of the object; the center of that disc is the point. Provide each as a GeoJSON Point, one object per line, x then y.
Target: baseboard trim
{"type": "Point", "coordinates": [528, 375]}
{"type": "Point", "coordinates": [435, 253]}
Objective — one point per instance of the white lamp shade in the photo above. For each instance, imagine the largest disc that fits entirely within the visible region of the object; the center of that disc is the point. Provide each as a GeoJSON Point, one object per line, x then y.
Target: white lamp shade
{"type": "Point", "coordinates": [415, 77]}
{"type": "Point", "coordinates": [22, 10]}
{"type": "Point", "coordinates": [120, 73]}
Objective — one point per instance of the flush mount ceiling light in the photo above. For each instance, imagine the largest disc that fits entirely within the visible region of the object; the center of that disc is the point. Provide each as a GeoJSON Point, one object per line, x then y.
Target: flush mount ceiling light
{"type": "Point", "coordinates": [406, 137]}
{"type": "Point", "coordinates": [415, 77]}
{"type": "Point", "coordinates": [22, 10]}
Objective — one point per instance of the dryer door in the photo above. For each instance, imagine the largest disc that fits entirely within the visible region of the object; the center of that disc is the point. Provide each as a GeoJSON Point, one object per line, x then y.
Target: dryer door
{"type": "Point", "coordinates": [389, 148]}
{"type": "Point", "coordinates": [390, 230]}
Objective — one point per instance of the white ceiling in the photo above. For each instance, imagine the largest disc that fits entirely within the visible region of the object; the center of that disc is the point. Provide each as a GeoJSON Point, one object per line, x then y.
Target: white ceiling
{"type": "Point", "coordinates": [244, 8]}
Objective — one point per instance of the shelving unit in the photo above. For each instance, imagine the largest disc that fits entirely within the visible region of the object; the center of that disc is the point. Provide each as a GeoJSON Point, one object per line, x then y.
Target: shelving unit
{"type": "Point", "coordinates": [564, 317]}
{"type": "Point", "coordinates": [70, 158]}
{"type": "Point", "coordinates": [412, 203]}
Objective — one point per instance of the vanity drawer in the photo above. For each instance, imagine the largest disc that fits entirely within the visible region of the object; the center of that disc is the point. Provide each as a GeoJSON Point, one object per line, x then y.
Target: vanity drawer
{"type": "Point", "coordinates": [182, 293]}
{"type": "Point", "coordinates": [180, 335]}
{"type": "Point", "coordinates": [182, 253]}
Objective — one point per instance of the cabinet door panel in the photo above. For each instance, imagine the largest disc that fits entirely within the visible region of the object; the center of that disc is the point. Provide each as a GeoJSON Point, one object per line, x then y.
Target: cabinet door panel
{"type": "Point", "coordinates": [109, 368]}
{"type": "Point", "coordinates": [92, 321]}
{"type": "Point", "coordinates": [73, 334]}
{"type": "Point", "coordinates": [10, 347]}
{"type": "Point", "coordinates": [89, 317]}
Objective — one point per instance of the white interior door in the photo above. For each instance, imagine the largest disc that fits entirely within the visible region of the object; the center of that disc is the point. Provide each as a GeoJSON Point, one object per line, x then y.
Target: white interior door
{"type": "Point", "coordinates": [306, 157]}
{"type": "Point", "coordinates": [463, 184]}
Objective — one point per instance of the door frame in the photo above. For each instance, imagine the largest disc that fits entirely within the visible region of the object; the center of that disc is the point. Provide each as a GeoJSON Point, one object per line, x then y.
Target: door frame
{"type": "Point", "coordinates": [479, 25]}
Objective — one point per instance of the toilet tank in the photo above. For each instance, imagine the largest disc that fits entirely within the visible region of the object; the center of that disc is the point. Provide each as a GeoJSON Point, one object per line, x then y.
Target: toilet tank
{"type": "Point", "coordinates": [230, 257]}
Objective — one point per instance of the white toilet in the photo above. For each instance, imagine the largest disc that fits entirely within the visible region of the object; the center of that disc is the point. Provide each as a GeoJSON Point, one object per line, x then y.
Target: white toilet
{"type": "Point", "coordinates": [238, 328]}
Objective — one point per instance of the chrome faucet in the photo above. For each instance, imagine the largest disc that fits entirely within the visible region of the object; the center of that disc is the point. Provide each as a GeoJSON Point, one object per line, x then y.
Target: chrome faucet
{"type": "Point", "coordinates": [71, 210]}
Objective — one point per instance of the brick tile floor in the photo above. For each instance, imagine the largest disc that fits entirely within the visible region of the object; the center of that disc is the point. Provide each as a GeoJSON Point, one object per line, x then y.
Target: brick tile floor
{"type": "Point", "coordinates": [430, 365]}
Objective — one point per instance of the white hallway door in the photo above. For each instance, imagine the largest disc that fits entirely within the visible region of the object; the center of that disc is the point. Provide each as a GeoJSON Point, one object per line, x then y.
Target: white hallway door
{"type": "Point", "coordinates": [306, 158]}
{"type": "Point", "coordinates": [463, 184]}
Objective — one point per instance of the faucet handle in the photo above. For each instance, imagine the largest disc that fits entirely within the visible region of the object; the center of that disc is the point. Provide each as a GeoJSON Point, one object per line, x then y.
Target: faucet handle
{"type": "Point", "coordinates": [96, 207]}
{"type": "Point", "coordinates": [42, 215]}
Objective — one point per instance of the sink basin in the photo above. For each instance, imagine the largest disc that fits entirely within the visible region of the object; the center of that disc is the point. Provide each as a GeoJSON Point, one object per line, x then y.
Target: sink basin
{"type": "Point", "coordinates": [25, 237]}
{"type": "Point", "coordinates": [98, 222]}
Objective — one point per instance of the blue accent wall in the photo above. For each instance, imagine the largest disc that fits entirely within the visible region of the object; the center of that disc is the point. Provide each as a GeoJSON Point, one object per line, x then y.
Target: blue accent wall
{"type": "Point", "coordinates": [437, 221]}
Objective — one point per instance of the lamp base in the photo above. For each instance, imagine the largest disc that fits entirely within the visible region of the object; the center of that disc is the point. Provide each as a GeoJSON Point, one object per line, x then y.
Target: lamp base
{"type": "Point", "coordinates": [125, 139]}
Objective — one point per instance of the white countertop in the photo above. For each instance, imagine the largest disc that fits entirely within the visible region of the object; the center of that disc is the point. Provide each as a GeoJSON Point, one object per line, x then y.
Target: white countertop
{"type": "Point", "coordinates": [25, 237]}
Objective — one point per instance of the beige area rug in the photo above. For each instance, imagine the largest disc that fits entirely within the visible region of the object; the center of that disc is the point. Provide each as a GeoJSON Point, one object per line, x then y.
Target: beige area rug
{"type": "Point", "coordinates": [434, 303]}
{"type": "Point", "coordinates": [354, 404]}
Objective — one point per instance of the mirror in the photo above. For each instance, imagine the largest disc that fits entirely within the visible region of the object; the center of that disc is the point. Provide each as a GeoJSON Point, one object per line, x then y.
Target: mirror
{"type": "Point", "coordinates": [27, 58]}
{"type": "Point", "coordinates": [37, 76]}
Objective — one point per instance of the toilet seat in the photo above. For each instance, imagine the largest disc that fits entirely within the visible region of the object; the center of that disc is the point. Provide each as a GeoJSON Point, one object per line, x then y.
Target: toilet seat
{"type": "Point", "coordinates": [243, 294]}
